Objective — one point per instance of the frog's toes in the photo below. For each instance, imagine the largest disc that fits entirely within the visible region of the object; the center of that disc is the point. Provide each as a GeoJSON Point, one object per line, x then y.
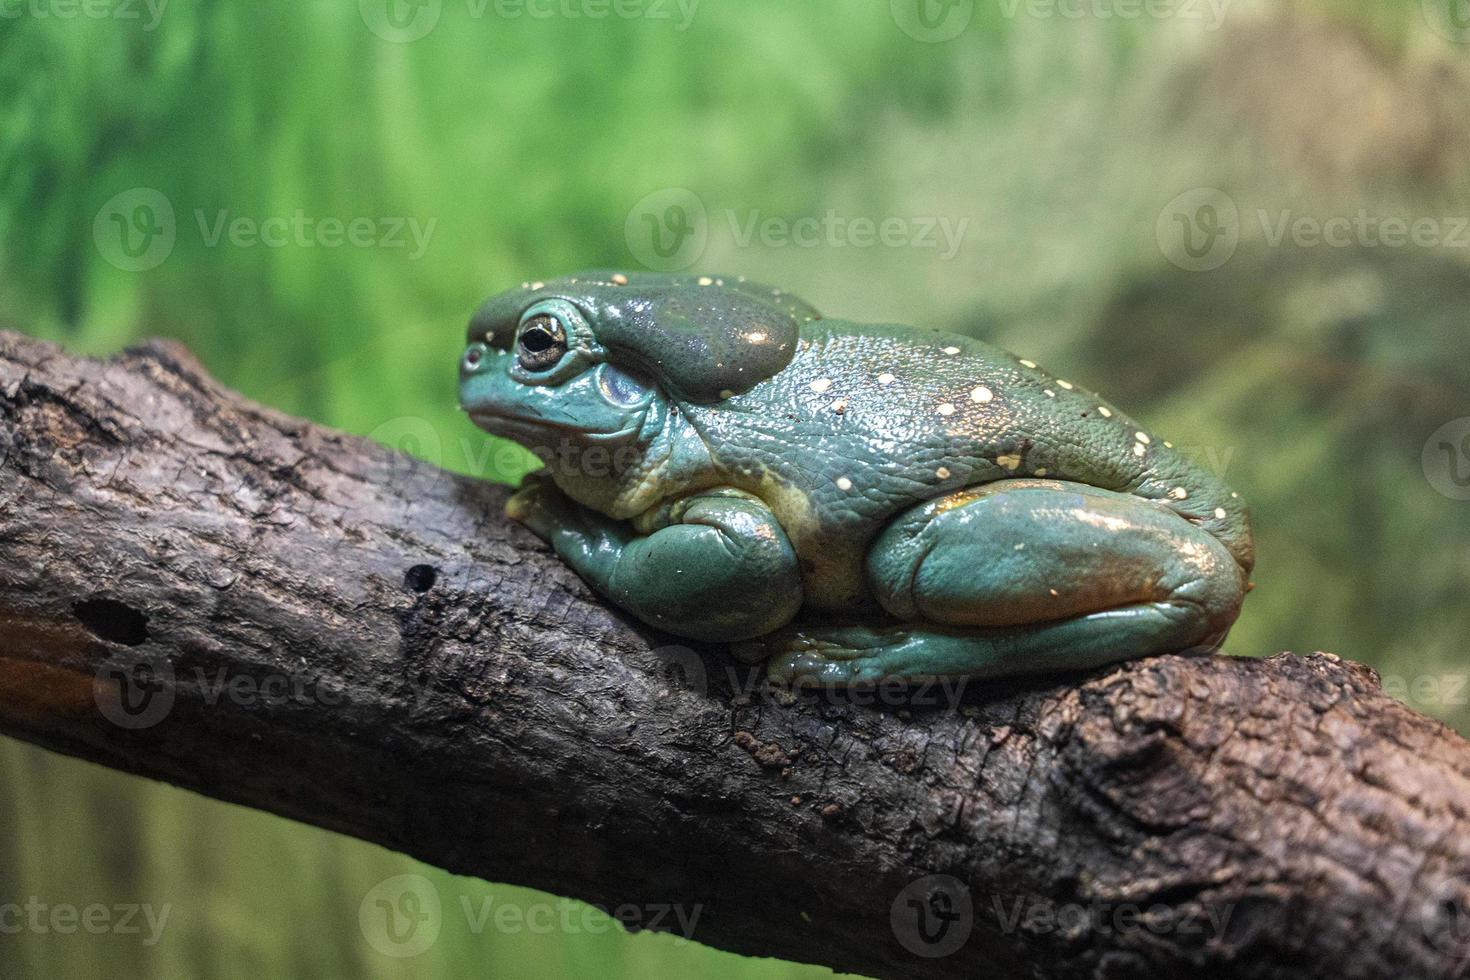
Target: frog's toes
{"type": "Point", "coordinates": [833, 657]}
{"type": "Point", "coordinates": [809, 668]}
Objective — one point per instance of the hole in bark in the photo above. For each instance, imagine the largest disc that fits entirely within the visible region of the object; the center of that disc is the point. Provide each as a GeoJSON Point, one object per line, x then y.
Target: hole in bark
{"type": "Point", "coordinates": [113, 621]}
{"type": "Point", "coordinates": [420, 578]}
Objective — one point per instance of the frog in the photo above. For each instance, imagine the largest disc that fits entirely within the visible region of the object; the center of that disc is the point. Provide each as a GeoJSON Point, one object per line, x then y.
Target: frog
{"type": "Point", "coordinates": [849, 503]}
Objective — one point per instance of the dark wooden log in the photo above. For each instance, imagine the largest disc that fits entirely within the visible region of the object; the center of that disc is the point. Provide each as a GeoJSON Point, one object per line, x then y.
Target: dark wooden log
{"type": "Point", "coordinates": [204, 591]}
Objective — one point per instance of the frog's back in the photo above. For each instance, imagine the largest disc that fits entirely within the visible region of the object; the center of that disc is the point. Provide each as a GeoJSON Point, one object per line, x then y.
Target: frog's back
{"type": "Point", "coordinates": [869, 419]}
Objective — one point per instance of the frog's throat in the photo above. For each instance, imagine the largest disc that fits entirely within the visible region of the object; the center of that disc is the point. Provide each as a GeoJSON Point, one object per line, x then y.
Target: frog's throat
{"type": "Point", "coordinates": [666, 461]}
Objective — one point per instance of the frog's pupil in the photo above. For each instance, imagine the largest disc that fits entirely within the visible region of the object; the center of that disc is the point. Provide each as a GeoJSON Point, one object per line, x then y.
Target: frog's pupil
{"type": "Point", "coordinates": [537, 339]}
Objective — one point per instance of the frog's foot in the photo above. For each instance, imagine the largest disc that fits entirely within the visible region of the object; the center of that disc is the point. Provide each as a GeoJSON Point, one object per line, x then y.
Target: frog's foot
{"type": "Point", "coordinates": [1024, 576]}
{"type": "Point", "coordinates": [806, 656]}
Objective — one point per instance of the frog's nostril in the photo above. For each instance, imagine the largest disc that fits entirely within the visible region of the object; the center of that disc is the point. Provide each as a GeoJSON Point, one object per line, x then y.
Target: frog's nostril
{"type": "Point", "coordinates": [473, 357]}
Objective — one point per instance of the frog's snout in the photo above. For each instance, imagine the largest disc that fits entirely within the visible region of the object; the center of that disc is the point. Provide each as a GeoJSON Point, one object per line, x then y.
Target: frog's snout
{"type": "Point", "coordinates": [474, 360]}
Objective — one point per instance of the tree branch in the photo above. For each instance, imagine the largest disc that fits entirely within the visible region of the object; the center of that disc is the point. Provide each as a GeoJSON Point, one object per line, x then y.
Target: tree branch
{"type": "Point", "coordinates": [365, 644]}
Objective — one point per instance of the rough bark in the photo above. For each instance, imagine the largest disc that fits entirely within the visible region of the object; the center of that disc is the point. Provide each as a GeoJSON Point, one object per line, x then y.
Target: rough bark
{"type": "Point", "coordinates": [429, 677]}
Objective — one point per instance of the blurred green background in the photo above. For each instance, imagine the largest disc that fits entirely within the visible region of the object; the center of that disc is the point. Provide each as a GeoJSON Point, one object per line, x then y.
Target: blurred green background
{"type": "Point", "coordinates": [1130, 195]}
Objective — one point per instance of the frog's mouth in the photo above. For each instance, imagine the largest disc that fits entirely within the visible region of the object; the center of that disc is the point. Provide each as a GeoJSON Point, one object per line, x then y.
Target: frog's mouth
{"type": "Point", "coordinates": [527, 428]}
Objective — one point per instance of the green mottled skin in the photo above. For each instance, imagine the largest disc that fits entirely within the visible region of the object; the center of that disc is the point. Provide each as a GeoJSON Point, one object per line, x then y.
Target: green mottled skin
{"type": "Point", "coordinates": [855, 502]}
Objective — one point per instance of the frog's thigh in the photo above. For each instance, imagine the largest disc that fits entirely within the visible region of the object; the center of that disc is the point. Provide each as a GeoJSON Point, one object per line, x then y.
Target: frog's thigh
{"type": "Point", "coordinates": [1030, 551]}
{"type": "Point", "coordinates": [1023, 576]}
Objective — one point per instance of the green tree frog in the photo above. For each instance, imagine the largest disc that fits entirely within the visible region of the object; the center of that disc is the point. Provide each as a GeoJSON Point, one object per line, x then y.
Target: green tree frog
{"type": "Point", "coordinates": [850, 502]}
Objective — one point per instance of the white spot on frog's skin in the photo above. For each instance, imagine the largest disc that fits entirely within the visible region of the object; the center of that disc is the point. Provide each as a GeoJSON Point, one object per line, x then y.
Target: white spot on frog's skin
{"type": "Point", "coordinates": [705, 281]}
{"type": "Point", "coordinates": [951, 350]}
{"type": "Point", "coordinates": [1020, 547]}
{"type": "Point", "coordinates": [1053, 591]}
{"type": "Point", "coordinates": [726, 393]}
{"type": "Point", "coordinates": [1041, 471]}
{"type": "Point", "coordinates": [886, 379]}
{"type": "Point", "coordinates": [1048, 393]}
{"type": "Point", "coordinates": [1026, 363]}
{"type": "Point", "coordinates": [946, 409]}
{"type": "Point", "coordinates": [1065, 384]}
{"type": "Point", "coordinates": [619, 279]}
{"type": "Point", "coordinates": [1104, 411]}
{"type": "Point", "coordinates": [1142, 437]}
{"type": "Point", "coordinates": [820, 385]}
{"type": "Point", "coordinates": [756, 337]}
{"type": "Point", "coordinates": [1009, 462]}
{"type": "Point", "coordinates": [943, 473]}
{"type": "Point", "coordinates": [839, 406]}
{"type": "Point", "coordinates": [1234, 495]}
{"type": "Point", "coordinates": [981, 394]}
{"type": "Point", "coordinates": [843, 483]}
{"type": "Point", "coordinates": [489, 336]}
{"type": "Point", "coordinates": [525, 285]}
{"type": "Point", "coordinates": [1168, 444]}
{"type": "Point", "coordinates": [538, 285]}
{"type": "Point", "coordinates": [1179, 493]}
{"type": "Point", "coordinates": [1138, 449]}
{"type": "Point", "coordinates": [1219, 513]}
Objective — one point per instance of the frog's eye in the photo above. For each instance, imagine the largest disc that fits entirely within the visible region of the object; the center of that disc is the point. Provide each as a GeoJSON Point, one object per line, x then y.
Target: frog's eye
{"type": "Point", "coordinates": [542, 342]}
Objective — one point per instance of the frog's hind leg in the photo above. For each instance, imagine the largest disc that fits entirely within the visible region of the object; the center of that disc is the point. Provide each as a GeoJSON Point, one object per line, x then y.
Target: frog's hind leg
{"type": "Point", "coordinates": [1024, 576]}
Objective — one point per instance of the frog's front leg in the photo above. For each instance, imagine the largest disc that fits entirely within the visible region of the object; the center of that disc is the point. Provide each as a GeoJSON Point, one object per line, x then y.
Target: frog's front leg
{"type": "Point", "coordinates": [722, 569]}
{"type": "Point", "coordinates": [1024, 576]}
